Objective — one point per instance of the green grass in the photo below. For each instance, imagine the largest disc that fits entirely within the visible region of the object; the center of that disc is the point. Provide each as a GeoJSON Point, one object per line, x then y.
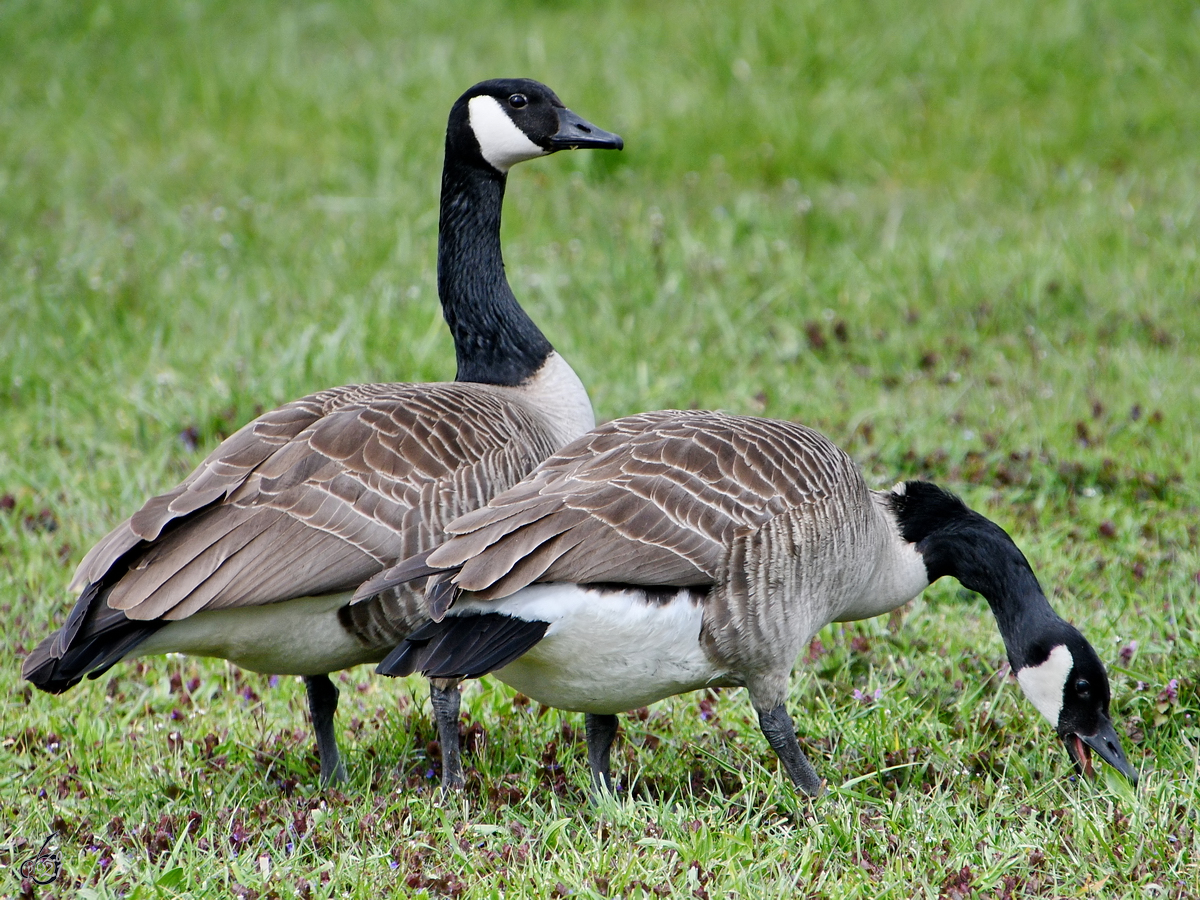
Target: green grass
{"type": "Point", "coordinates": [961, 238]}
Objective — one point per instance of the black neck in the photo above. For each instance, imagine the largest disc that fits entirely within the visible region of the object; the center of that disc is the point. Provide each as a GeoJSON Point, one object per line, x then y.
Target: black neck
{"type": "Point", "coordinates": [957, 541]}
{"type": "Point", "coordinates": [494, 340]}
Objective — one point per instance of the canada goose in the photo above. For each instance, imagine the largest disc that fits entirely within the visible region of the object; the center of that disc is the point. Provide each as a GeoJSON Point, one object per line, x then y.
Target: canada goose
{"type": "Point", "coordinates": [671, 551]}
{"type": "Point", "coordinates": [254, 556]}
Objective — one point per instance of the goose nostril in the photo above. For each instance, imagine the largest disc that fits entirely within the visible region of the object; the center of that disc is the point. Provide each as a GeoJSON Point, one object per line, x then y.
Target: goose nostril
{"type": "Point", "coordinates": [585, 129]}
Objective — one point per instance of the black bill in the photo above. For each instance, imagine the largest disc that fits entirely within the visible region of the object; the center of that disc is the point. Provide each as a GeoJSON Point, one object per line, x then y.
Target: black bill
{"type": "Point", "coordinates": [1107, 746]}
{"type": "Point", "coordinates": [575, 133]}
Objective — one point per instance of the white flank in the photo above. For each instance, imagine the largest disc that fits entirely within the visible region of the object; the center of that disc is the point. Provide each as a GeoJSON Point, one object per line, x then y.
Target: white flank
{"type": "Point", "coordinates": [292, 637]}
{"type": "Point", "coordinates": [501, 142]}
{"type": "Point", "coordinates": [606, 651]}
{"type": "Point", "coordinates": [1043, 684]}
{"type": "Point", "coordinates": [556, 396]}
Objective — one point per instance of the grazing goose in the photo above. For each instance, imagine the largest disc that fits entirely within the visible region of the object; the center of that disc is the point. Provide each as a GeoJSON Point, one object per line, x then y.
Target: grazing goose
{"type": "Point", "coordinates": [253, 558]}
{"type": "Point", "coordinates": [672, 551]}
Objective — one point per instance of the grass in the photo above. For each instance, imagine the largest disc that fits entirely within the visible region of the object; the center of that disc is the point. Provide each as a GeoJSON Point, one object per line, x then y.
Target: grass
{"type": "Point", "coordinates": [961, 238]}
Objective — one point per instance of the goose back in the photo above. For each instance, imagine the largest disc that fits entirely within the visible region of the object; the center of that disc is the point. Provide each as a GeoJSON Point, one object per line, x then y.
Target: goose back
{"type": "Point", "coordinates": [770, 516]}
{"type": "Point", "coordinates": [315, 496]}
{"type": "Point", "coordinates": [662, 494]}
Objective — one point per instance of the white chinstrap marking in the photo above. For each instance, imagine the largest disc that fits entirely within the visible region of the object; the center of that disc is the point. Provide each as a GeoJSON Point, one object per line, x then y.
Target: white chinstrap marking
{"type": "Point", "coordinates": [501, 142]}
{"type": "Point", "coordinates": [1043, 684]}
{"type": "Point", "coordinates": [292, 637]}
{"type": "Point", "coordinates": [606, 651]}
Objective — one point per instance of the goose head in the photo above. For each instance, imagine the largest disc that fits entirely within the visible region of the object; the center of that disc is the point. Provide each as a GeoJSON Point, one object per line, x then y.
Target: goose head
{"type": "Point", "coordinates": [1064, 679]}
{"type": "Point", "coordinates": [499, 123]}
{"type": "Point", "coordinates": [1057, 669]}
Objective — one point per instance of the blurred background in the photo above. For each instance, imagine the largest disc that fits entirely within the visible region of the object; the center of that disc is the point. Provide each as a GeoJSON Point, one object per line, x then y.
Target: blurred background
{"type": "Point", "coordinates": [858, 216]}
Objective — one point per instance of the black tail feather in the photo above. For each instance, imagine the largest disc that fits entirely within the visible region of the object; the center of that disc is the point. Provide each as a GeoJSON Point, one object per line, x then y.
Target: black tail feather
{"type": "Point", "coordinates": [41, 668]}
{"type": "Point", "coordinates": [94, 638]}
{"type": "Point", "coordinates": [467, 646]}
{"type": "Point", "coordinates": [439, 597]}
{"type": "Point", "coordinates": [78, 615]}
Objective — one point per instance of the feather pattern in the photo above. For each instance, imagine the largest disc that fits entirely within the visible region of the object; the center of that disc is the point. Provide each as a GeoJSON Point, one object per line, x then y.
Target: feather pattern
{"type": "Point", "coordinates": [317, 495]}
{"type": "Point", "coordinates": [654, 499]}
{"type": "Point", "coordinates": [771, 517]}
{"type": "Point", "coordinates": [309, 499]}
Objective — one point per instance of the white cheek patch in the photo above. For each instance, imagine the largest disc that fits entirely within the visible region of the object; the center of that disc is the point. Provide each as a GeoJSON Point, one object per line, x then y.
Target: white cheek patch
{"type": "Point", "coordinates": [501, 142]}
{"type": "Point", "coordinates": [1044, 684]}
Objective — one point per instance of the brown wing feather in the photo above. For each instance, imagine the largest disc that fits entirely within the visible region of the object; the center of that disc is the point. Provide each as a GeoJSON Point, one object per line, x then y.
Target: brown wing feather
{"type": "Point", "coordinates": [532, 566]}
{"type": "Point", "coordinates": [181, 560]}
{"type": "Point", "coordinates": [223, 470]}
{"type": "Point", "coordinates": [518, 545]}
{"type": "Point", "coordinates": [317, 496]}
{"type": "Point", "coordinates": [654, 499]}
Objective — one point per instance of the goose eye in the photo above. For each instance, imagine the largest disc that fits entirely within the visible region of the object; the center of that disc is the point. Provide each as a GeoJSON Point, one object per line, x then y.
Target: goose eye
{"type": "Point", "coordinates": [518, 101]}
{"type": "Point", "coordinates": [1082, 687]}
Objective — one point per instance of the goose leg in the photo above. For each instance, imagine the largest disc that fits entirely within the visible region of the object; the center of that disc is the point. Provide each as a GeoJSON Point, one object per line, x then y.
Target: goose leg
{"type": "Point", "coordinates": [777, 725]}
{"type": "Point", "coordinates": [446, 700]}
{"type": "Point", "coordinates": [601, 732]}
{"type": "Point", "coordinates": [322, 704]}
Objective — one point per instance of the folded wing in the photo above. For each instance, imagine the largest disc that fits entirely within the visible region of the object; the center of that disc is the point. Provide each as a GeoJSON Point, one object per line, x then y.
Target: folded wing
{"type": "Point", "coordinates": [653, 499]}
{"type": "Point", "coordinates": [315, 497]}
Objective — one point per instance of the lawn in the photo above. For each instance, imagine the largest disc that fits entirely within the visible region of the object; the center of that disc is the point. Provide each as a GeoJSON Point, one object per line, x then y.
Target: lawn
{"type": "Point", "coordinates": [960, 238]}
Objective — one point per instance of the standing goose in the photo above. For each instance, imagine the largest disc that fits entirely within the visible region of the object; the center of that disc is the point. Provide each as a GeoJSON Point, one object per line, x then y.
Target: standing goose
{"type": "Point", "coordinates": [254, 557]}
{"type": "Point", "coordinates": [672, 551]}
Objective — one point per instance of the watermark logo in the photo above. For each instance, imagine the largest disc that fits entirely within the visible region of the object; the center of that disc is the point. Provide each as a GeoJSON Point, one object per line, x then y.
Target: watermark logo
{"type": "Point", "coordinates": [45, 865]}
